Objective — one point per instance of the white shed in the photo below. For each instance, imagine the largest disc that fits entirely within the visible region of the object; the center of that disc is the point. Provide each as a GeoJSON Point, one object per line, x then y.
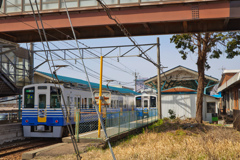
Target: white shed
{"type": "Point", "coordinates": [184, 105]}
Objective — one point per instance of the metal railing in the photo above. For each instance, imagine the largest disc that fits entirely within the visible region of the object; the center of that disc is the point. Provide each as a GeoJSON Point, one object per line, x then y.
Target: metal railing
{"type": "Point", "coordinates": [21, 6]}
{"type": "Point", "coordinates": [116, 123]}
{"type": "Point", "coordinates": [10, 116]}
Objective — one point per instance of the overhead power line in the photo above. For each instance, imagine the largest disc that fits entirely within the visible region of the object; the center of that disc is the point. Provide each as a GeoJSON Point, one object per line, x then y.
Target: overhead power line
{"type": "Point", "coordinates": [68, 37]}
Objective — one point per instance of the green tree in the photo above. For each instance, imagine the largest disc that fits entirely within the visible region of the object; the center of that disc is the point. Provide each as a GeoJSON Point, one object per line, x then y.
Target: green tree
{"type": "Point", "coordinates": [206, 45]}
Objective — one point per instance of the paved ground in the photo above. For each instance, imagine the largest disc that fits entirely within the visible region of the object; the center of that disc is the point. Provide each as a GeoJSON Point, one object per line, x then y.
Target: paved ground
{"type": "Point", "coordinates": [58, 150]}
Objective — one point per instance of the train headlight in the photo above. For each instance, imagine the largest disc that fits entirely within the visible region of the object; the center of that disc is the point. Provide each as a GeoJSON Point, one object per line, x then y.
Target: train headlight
{"type": "Point", "coordinates": [56, 121]}
{"type": "Point", "coordinates": [26, 121]}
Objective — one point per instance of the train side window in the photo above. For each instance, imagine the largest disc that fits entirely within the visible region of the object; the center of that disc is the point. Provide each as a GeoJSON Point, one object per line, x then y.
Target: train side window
{"type": "Point", "coordinates": [42, 101]}
{"type": "Point", "coordinates": [75, 102]}
{"type": "Point", "coordinates": [111, 104]}
{"type": "Point", "coordinates": [120, 103]}
{"type": "Point", "coordinates": [82, 102]}
{"type": "Point", "coordinates": [55, 97]}
{"type": "Point", "coordinates": [79, 102]}
{"type": "Point", "coordinates": [138, 101]}
{"type": "Point", "coordinates": [85, 102]}
{"type": "Point", "coordinates": [68, 101]}
{"type": "Point", "coordinates": [90, 103]}
{"type": "Point", "coordinates": [29, 98]}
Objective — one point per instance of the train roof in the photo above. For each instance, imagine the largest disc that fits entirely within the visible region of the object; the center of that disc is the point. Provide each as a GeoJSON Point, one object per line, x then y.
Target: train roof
{"type": "Point", "coordinates": [93, 85]}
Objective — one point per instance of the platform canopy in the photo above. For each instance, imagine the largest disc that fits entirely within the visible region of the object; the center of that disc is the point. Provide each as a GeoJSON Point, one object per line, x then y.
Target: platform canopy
{"type": "Point", "coordinates": [41, 77]}
{"type": "Point", "coordinates": [181, 79]}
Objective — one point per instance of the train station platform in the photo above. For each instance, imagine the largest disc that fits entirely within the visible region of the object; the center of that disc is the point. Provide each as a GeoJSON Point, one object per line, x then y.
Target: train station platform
{"type": "Point", "coordinates": [114, 132]}
{"type": "Point", "coordinates": [89, 139]}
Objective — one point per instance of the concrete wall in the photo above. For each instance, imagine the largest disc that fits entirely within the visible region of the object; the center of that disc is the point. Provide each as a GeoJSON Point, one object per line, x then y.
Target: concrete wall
{"type": "Point", "coordinates": [10, 132]}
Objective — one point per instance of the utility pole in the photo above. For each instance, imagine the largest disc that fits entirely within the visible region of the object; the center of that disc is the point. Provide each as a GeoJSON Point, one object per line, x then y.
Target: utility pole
{"type": "Point", "coordinates": [159, 106]}
{"type": "Point", "coordinates": [135, 82]}
{"type": "Point", "coordinates": [31, 73]}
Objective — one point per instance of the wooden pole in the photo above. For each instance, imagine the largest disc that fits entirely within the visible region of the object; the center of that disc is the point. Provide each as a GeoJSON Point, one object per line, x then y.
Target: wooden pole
{"type": "Point", "coordinates": [159, 81]}
{"type": "Point", "coordinates": [100, 96]}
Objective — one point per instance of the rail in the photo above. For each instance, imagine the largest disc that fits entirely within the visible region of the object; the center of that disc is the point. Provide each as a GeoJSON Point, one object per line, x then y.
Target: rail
{"type": "Point", "coordinates": [10, 116]}
{"type": "Point", "coordinates": [23, 6]}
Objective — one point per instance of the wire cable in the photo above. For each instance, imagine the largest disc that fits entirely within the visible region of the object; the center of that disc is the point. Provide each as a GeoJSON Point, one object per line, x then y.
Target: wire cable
{"type": "Point", "coordinates": [96, 107]}
{"type": "Point", "coordinates": [69, 126]}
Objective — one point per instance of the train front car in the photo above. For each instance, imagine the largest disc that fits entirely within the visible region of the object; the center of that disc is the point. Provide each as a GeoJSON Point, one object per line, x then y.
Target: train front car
{"type": "Point", "coordinates": [145, 103]}
{"type": "Point", "coordinates": [41, 111]}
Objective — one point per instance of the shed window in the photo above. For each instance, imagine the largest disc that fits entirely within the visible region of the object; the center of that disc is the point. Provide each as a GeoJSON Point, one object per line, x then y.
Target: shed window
{"type": "Point", "coordinates": [211, 107]}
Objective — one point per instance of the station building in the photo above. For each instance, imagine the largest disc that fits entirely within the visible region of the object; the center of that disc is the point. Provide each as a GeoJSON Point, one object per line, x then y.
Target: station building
{"type": "Point", "coordinates": [179, 93]}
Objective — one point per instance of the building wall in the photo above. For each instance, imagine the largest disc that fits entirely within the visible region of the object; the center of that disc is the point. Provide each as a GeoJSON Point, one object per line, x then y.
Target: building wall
{"type": "Point", "coordinates": [227, 77]}
{"type": "Point", "coordinates": [231, 99]}
{"type": "Point", "coordinates": [39, 79]}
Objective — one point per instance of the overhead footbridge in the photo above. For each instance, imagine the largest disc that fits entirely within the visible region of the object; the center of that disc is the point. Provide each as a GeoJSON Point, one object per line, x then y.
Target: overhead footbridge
{"type": "Point", "coordinates": [140, 17]}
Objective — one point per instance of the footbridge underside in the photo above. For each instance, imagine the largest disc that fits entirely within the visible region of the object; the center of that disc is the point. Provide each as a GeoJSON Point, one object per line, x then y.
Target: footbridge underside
{"type": "Point", "coordinates": [140, 18]}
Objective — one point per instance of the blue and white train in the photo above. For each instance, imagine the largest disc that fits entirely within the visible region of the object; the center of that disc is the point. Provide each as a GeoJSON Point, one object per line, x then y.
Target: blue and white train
{"type": "Point", "coordinates": [144, 103]}
{"type": "Point", "coordinates": [42, 114]}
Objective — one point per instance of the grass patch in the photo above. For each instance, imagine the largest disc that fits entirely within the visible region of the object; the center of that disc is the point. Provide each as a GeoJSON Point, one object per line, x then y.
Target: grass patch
{"type": "Point", "coordinates": [175, 139]}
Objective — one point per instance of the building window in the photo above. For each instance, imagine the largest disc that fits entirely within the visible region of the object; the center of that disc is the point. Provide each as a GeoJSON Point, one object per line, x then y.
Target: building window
{"type": "Point", "coordinates": [211, 107]}
{"type": "Point", "coordinates": [239, 99]}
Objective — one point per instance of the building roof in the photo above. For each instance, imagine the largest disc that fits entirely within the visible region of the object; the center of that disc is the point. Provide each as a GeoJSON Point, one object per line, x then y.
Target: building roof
{"type": "Point", "coordinates": [83, 82]}
{"type": "Point", "coordinates": [226, 83]}
{"type": "Point", "coordinates": [231, 71]}
{"type": "Point", "coordinates": [181, 76]}
{"type": "Point", "coordinates": [179, 89]}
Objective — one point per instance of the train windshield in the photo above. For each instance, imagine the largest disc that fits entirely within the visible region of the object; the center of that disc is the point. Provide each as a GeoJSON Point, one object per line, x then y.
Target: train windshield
{"type": "Point", "coordinates": [138, 101]}
{"type": "Point", "coordinates": [54, 99]}
{"type": "Point", "coordinates": [29, 98]}
{"type": "Point", "coordinates": [152, 101]}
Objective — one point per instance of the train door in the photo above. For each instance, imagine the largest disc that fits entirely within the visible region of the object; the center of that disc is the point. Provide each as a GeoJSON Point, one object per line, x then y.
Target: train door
{"type": "Point", "coordinates": [42, 111]}
{"type": "Point", "coordinates": [145, 106]}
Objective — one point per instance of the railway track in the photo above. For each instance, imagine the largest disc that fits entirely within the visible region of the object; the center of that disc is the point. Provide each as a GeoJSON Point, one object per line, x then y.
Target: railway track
{"type": "Point", "coordinates": [15, 151]}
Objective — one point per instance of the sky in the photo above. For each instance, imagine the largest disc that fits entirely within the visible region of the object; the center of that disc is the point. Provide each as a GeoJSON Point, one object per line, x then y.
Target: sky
{"type": "Point", "coordinates": [169, 56]}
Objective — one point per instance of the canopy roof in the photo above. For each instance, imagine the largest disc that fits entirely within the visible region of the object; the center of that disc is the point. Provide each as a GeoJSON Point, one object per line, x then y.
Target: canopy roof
{"type": "Point", "coordinates": [181, 77]}
{"type": "Point", "coordinates": [85, 83]}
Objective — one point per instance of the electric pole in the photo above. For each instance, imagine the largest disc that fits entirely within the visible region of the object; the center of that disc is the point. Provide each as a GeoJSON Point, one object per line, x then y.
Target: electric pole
{"type": "Point", "coordinates": [135, 82]}
{"type": "Point", "coordinates": [159, 106]}
{"type": "Point", "coordinates": [31, 58]}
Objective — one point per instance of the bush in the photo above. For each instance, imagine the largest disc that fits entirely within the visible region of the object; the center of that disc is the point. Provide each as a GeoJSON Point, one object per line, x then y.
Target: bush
{"type": "Point", "coordinates": [172, 114]}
